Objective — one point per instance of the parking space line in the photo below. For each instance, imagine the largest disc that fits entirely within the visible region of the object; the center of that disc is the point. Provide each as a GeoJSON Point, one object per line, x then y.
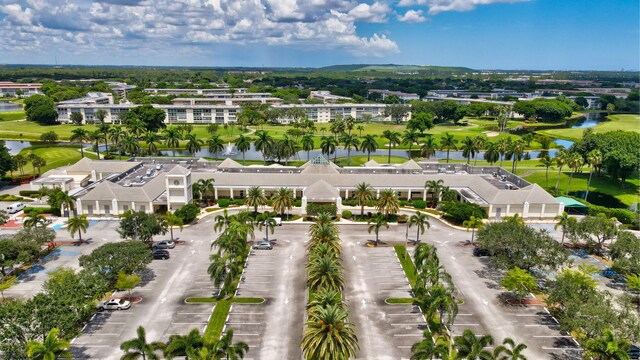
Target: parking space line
{"type": "Point", "coordinates": [104, 334]}
{"type": "Point", "coordinates": [408, 324]}
{"type": "Point", "coordinates": [90, 346]}
{"type": "Point", "coordinates": [116, 323]}
{"type": "Point", "coordinates": [420, 335]}
{"type": "Point", "coordinates": [547, 315]}
{"type": "Point", "coordinates": [190, 313]}
{"type": "Point", "coordinates": [188, 323]}
{"type": "Point", "coordinates": [555, 325]}
{"type": "Point", "coordinates": [247, 313]}
{"type": "Point", "coordinates": [553, 336]}
{"type": "Point", "coordinates": [246, 334]}
{"type": "Point", "coordinates": [257, 282]}
{"type": "Point", "coordinates": [467, 325]}
{"type": "Point", "coordinates": [557, 348]}
{"type": "Point", "coordinates": [403, 314]}
{"type": "Point", "coordinates": [242, 323]}
{"type": "Point", "coordinates": [405, 346]}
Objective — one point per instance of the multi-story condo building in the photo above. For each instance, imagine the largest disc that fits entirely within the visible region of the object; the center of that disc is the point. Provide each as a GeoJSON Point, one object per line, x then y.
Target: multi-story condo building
{"type": "Point", "coordinates": [323, 113]}
{"type": "Point", "coordinates": [215, 100]}
{"type": "Point", "coordinates": [203, 92]}
{"type": "Point", "coordinates": [401, 95]}
{"type": "Point", "coordinates": [327, 97]}
{"type": "Point", "coordinates": [9, 88]}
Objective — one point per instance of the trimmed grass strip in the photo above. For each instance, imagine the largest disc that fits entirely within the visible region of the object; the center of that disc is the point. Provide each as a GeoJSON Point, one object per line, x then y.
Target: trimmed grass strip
{"type": "Point", "coordinates": [399, 300]}
{"type": "Point", "coordinates": [218, 318]}
{"type": "Point", "coordinates": [407, 264]}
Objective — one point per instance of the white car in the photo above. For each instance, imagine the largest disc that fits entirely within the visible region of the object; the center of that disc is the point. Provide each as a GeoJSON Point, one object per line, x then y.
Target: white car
{"type": "Point", "coordinates": [114, 304]}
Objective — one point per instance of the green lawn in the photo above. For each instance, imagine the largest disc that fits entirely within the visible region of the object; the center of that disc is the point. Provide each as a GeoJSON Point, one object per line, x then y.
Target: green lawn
{"type": "Point", "coordinates": [216, 322]}
{"type": "Point", "coordinates": [29, 130]}
{"type": "Point", "coordinates": [55, 156]}
{"type": "Point", "coordinates": [407, 264]}
{"type": "Point", "coordinates": [627, 122]}
{"type": "Point", "coordinates": [12, 115]}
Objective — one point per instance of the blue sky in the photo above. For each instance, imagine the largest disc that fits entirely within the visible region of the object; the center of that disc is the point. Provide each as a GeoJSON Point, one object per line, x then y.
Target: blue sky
{"type": "Point", "coordinates": [481, 34]}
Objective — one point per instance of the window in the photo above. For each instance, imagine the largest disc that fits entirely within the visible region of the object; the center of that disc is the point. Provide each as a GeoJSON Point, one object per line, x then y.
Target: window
{"type": "Point", "coordinates": [143, 208]}
{"type": "Point", "coordinates": [107, 209]}
{"type": "Point", "coordinates": [125, 207]}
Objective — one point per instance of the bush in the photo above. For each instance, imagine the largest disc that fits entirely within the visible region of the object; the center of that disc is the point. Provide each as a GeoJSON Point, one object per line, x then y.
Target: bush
{"type": "Point", "coordinates": [38, 210]}
{"type": "Point", "coordinates": [315, 209]}
{"type": "Point", "coordinates": [459, 212]}
{"type": "Point", "coordinates": [187, 213]}
{"type": "Point", "coordinates": [30, 193]}
{"type": "Point", "coordinates": [402, 219]}
{"type": "Point", "coordinates": [419, 204]}
{"type": "Point", "coordinates": [404, 202]}
{"type": "Point", "coordinates": [9, 197]}
{"type": "Point", "coordinates": [238, 202]}
{"type": "Point", "coordinates": [223, 203]}
{"type": "Point", "coordinates": [623, 215]}
{"type": "Point", "coordinates": [347, 214]}
{"type": "Point", "coordinates": [297, 203]}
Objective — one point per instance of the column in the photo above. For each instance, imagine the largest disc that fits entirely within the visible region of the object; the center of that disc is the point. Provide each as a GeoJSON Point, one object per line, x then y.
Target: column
{"type": "Point", "coordinates": [378, 194]}
{"type": "Point", "coordinates": [231, 193]}
{"type": "Point", "coordinates": [409, 195]}
{"type": "Point", "coordinates": [97, 212]}
{"type": "Point", "coordinates": [542, 209]}
{"type": "Point", "coordinates": [215, 193]}
{"type": "Point", "coordinates": [525, 210]}
{"type": "Point", "coordinates": [507, 212]}
{"type": "Point", "coordinates": [339, 205]}
{"type": "Point", "coordinates": [346, 193]}
{"type": "Point", "coordinates": [424, 195]}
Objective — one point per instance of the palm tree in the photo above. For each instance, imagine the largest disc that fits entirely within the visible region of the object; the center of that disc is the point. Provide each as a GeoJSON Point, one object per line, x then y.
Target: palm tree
{"type": "Point", "coordinates": [491, 153]}
{"type": "Point", "coordinates": [193, 143]}
{"type": "Point", "coordinates": [561, 159]}
{"type": "Point", "coordinates": [243, 145]}
{"type": "Point", "coordinates": [377, 222]}
{"type": "Point", "coordinates": [267, 222]}
{"type": "Point", "coordinates": [116, 134]}
{"type": "Point", "coordinates": [468, 148]}
{"type": "Point", "coordinates": [429, 349]}
{"type": "Point", "coordinates": [513, 352]}
{"type": "Point", "coordinates": [473, 223]}
{"type": "Point", "coordinates": [328, 335]}
{"type": "Point", "coordinates": [34, 221]}
{"type": "Point", "coordinates": [325, 273]}
{"type": "Point", "coordinates": [394, 139]}
{"type": "Point", "coordinates": [255, 197]}
{"type": "Point", "coordinates": [369, 145]}
{"type": "Point", "coordinates": [607, 347]}
{"type": "Point", "coordinates": [478, 143]}
{"type": "Point", "coordinates": [135, 127]}
{"type": "Point", "coordinates": [448, 142]}
{"type": "Point", "coordinates": [129, 145]}
{"type": "Point", "coordinates": [575, 162]}
{"type": "Point", "coordinates": [360, 128]}
{"type": "Point", "coordinates": [424, 253]}
{"type": "Point", "coordinates": [96, 136]}
{"type": "Point", "coordinates": [471, 347]}
{"type": "Point", "coordinates": [350, 141]}
{"type": "Point", "coordinates": [206, 186]}
{"type": "Point", "coordinates": [307, 144]}
{"type": "Point", "coordinates": [388, 202]}
{"type": "Point", "coordinates": [440, 300]}
{"type": "Point", "coordinates": [172, 137]}
{"type": "Point", "coordinates": [263, 143]}
{"type": "Point", "coordinates": [222, 221]}
{"type": "Point", "coordinates": [223, 270]}
{"type": "Point", "coordinates": [100, 114]}
{"type": "Point", "coordinates": [67, 201]}
{"type": "Point", "coordinates": [171, 220]}
{"type": "Point", "coordinates": [564, 221]}
{"type": "Point", "coordinates": [215, 145]}
{"type": "Point", "coordinates": [594, 158]}
{"type": "Point", "coordinates": [79, 135]}
{"type": "Point", "coordinates": [517, 149]}
{"type": "Point", "coordinates": [282, 200]}
{"type": "Point", "coordinates": [151, 139]}
{"type": "Point", "coordinates": [230, 350]}
{"type": "Point", "coordinates": [180, 345]}
{"type": "Point", "coordinates": [50, 349]}
{"type": "Point", "coordinates": [139, 348]}
{"type": "Point", "coordinates": [421, 221]}
{"type": "Point", "coordinates": [363, 194]}
{"type": "Point", "coordinates": [287, 148]}
{"type": "Point", "coordinates": [410, 137]}
{"type": "Point", "coordinates": [323, 298]}
{"type": "Point", "coordinates": [78, 224]}
{"type": "Point", "coordinates": [547, 162]}
{"type": "Point", "coordinates": [435, 187]}
{"type": "Point", "coordinates": [328, 145]}
{"type": "Point", "coordinates": [428, 148]}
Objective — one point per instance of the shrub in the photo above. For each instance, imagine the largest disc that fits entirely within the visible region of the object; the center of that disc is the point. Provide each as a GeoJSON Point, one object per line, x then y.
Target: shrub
{"type": "Point", "coordinates": [38, 210]}
{"type": "Point", "coordinates": [297, 203]}
{"type": "Point", "coordinates": [623, 215]}
{"type": "Point", "coordinates": [347, 214]}
{"type": "Point", "coordinates": [239, 202]}
{"type": "Point", "coordinates": [223, 203]}
{"type": "Point", "coordinates": [187, 213]}
{"type": "Point", "coordinates": [459, 212]}
{"type": "Point", "coordinates": [402, 219]}
{"type": "Point", "coordinates": [315, 209]}
{"type": "Point", "coordinates": [419, 204]}
{"type": "Point", "coordinates": [30, 193]}
{"type": "Point", "coordinates": [404, 202]}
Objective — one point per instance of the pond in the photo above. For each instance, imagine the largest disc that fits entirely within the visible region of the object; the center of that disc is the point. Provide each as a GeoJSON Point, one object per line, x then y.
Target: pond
{"type": "Point", "coordinates": [9, 106]}
{"type": "Point", "coordinates": [15, 146]}
{"type": "Point", "coordinates": [589, 120]}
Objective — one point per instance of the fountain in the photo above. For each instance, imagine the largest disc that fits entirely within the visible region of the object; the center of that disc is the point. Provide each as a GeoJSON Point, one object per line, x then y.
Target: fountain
{"type": "Point", "coordinates": [229, 150]}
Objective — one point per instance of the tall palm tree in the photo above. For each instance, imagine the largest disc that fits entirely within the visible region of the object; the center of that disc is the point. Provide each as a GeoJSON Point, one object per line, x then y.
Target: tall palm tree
{"type": "Point", "coordinates": [170, 219]}
{"type": "Point", "coordinates": [513, 352]}
{"type": "Point", "coordinates": [470, 346]}
{"type": "Point", "coordinates": [360, 128]}
{"type": "Point", "coordinates": [350, 141]}
{"type": "Point", "coordinates": [435, 188]}
{"type": "Point", "coordinates": [263, 143]}
{"type": "Point", "coordinates": [78, 224]}
{"type": "Point", "coordinates": [80, 136]}
{"type": "Point", "coordinates": [393, 138]}
{"type": "Point", "coordinates": [328, 335]}
{"type": "Point", "coordinates": [287, 148]}
{"type": "Point", "coordinates": [448, 142]}
{"type": "Point", "coordinates": [377, 222]}
{"type": "Point", "coordinates": [575, 162]}
{"type": "Point", "coordinates": [428, 148]}
{"type": "Point", "coordinates": [561, 160]}
{"type": "Point", "coordinates": [100, 114]}
{"type": "Point", "coordinates": [424, 253]}
{"type": "Point", "coordinates": [282, 200]}
{"type": "Point", "coordinates": [388, 202]}
{"type": "Point", "coordinates": [223, 270]}
{"type": "Point", "coordinates": [607, 347]}
{"type": "Point", "coordinates": [255, 197]}
{"type": "Point", "coordinates": [180, 345]}
{"type": "Point", "coordinates": [369, 144]}
{"type": "Point", "coordinates": [473, 223]}
{"type": "Point", "coordinates": [564, 221]}
{"type": "Point", "coordinates": [421, 221]}
{"type": "Point", "coordinates": [325, 273]}
{"type": "Point", "coordinates": [328, 145]}
{"type": "Point", "coordinates": [151, 139]}
{"type": "Point", "coordinates": [35, 221]}
{"type": "Point", "coordinates": [222, 221]}
{"type": "Point", "coordinates": [116, 134]}
{"type": "Point", "coordinates": [410, 137]}
{"type": "Point", "coordinates": [502, 146]}
{"type": "Point", "coordinates": [441, 301]}
{"type": "Point", "coordinates": [139, 348]}
{"type": "Point", "coordinates": [547, 162]}
{"type": "Point", "coordinates": [307, 144]}
{"type": "Point", "coordinates": [215, 145]}
{"type": "Point", "coordinates": [325, 233]}
{"type": "Point", "coordinates": [206, 187]}
{"type": "Point", "coordinates": [468, 148]}
{"type": "Point", "coordinates": [136, 127]}
{"type": "Point", "coordinates": [323, 298]}
{"type": "Point", "coordinates": [193, 144]}
{"type": "Point", "coordinates": [172, 137]}
{"type": "Point", "coordinates": [478, 143]}
{"type": "Point", "coordinates": [230, 350]}
{"type": "Point", "coordinates": [267, 222]}
{"type": "Point", "coordinates": [67, 201]}
{"type": "Point", "coordinates": [96, 136]}
{"type": "Point", "coordinates": [243, 145]}
{"type": "Point", "coordinates": [363, 194]}
{"type": "Point", "coordinates": [129, 145]}
{"type": "Point", "coordinates": [517, 149]}
{"type": "Point", "coordinates": [594, 158]}
{"type": "Point", "coordinates": [50, 349]}
{"type": "Point", "coordinates": [491, 153]}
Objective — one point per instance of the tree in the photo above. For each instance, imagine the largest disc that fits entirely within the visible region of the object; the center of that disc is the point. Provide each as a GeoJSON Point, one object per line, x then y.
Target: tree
{"type": "Point", "coordinates": [255, 197]}
{"type": "Point", "coordinates": [110, 259]}
{"type": "Point", "coordinates": [307, 144]}
{"type": "Point", "coordinates": [263, 143]}
{"type": "Point", "coordinates": [151, 139]}
{"type": "Point", "coordinates": [100, 115]}
{"type": "Point", "coordinates": [363, 194]}
{"type": "Point", "coordinates": [328, 335]}
{"type": "Point", "coordinates": [78, 224]}
{"type": "Point", "coordinates": [377, 222]}
{"type": "Point", "coordinates": [68, 202]}
{"type": "Point", "coordinates": [49, 136]}
{"type": "Point", "coordinates": [215, 145]}
{"type": "Point", "coordinates": [8, 163]}
{"type": "Point", "coordinates": [435, 188]}
{"type": "Point", "coordinates": [448, 142]}
{"type": "Point", "coordinates": [76, 118]}
{"type": "Point", "coordinates": [394, 139]}
{"type": "Point", "coordinates": [181, 345]}
{"type": "Point", "coordinates": [79, 136]}
{"type": "Point", "coordinates": [35, 220]}
{"type": "Point", "coordinates": [596, 230]}
{"type": "Point", "coordinates": [388, 202]}
{"type": "Point", "coordinates": [513, 352]}
{"type": "Point", "coordinates": [138, 225]}
{"type": "Point", "coordinates": [564, 221]}
{"type": "Point", "coordinates": [243, 145]}
{"type": "Point", "coordinates": [139, 348]}
{"type": "Point", "coordinates": [607, 347]}
{"type": "Point", "coordinates": [96, 136]}
{"type": "Point", "coordinates": [38, 163]}
{"type": "Point", "coordinates": [439, 300]}
{"type": "Point", "coordinates": [468, 148]}
{"type": "Point", "coordinates": [328, 145]}
{"type": "Point", "coordinates": [172, 137]}
{"type": "Point", "coordinates": [172, 220]}
{"type": "Point", "coordinates": [547, 162]}
{"type": "Point", "coordinates": [410, 137]}
{"type": "Point", "coordinates": [621, 164]}
{"type": "Point", "coordinates": [369, 144]}
{"type": "Point", "coordinates": [127, 282]}
{"type": "Point", "coordinates": [130, 145]}
{"type": "Point", "coordinates": [473, 223]}
{"type": "Point", "coordinates": [282, 200]}
{"type": "Point", "coordinates": [41, 109]}
{"type": "Point", "coordinates": [594, 159]}
{"type": "Point", "coordinates": [575, 161]}
{"type": "Point", "coordinates": [421, 221]}
{"type": "Point", "coordinates": [116, 134]}
{"type": "Point", "coordinates": [4, 217]}
{"type": "Point", "coordinates": [470, 346]}
{"type": "Point", "coordinates": [230, 350]}
{"type": "Point", "coordinates": [429, 147]}
{"type": "Point", "coordinates": [267, 222]}
{"type": "Point", "coordinates": [520, 282]}
{"type": "Point", "coordinates": [50, 349]}
{"type": "Point", "coordinates": [6, 283]}
{"type": "Point", "coordinates": [610, 108]}
{"type": "Point", "coordinates": [152, 118]}
{"type": "Point", "coordinates": [286, 148]}
{"type": "Point", "coordinates": [517, 149]}
{"type": "Point", "coordinates": [561, 159]}
{"type": "Point", "coordinates": [420, 122]}
{"type": "Point", "coordinates": [325, 273]}
{"type": "Point", "coordinates": [625, 253]}
{"type": "Point", "coordinates": [222, 221]}
{"type": "Point", "coordinates": [350, 141]}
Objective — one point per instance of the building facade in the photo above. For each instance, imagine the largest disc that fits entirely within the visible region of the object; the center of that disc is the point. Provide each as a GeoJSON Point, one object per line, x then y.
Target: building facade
{"type": "Point", "coordinates": [11, 89]}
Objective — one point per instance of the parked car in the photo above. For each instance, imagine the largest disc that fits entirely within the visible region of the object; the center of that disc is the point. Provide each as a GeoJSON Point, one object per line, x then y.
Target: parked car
{"type": "Point", "coordinates": [478, 251]}
{"type": "Point", "coordinates": [159, 245]}
{"type": "Point", "coordinates": [634, 352]}
{"type": "Point", "coordinates": [160, 254]}
{"type": "Point", "coordinates": [278, 221]}
{"type": "Point", "coordinates": [169, 243]}
{"type": "Point", "coordinates": [14, 208]}
{"type": "Point", "coordinates": [263, 245]}
{"type": "Point", "coordinates": [114, 304]}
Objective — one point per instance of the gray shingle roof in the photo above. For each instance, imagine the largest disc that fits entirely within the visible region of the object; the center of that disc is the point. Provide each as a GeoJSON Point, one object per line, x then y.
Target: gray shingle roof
{"type": "Point", "coordinates": [107, 191]}
{"type": "Point", "coordinates": [102, 166]}
{"type": "Point", "coordinates": [321, 191]}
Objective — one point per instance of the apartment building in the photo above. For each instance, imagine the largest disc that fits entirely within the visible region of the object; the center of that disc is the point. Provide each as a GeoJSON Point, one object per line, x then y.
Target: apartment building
{"type": "Point", "coordinates": [11, 89]}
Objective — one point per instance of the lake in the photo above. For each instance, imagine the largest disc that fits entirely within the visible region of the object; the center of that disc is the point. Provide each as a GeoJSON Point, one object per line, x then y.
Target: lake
{"type": "Point", "coordinates": [15, 146]}
{"type": "Point", "coordinates": [9, 106]}
{"type": "Point", "coordinates": [583, 122]}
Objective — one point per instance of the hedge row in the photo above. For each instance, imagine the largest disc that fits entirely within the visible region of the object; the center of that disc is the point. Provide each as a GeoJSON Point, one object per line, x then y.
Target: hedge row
{"type": "Point", "coordinates": [315, 209]}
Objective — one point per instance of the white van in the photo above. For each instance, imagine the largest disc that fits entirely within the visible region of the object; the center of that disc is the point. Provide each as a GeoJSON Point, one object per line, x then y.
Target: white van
{"type": "Point", "coordinates": [14, 208]}
{"type": "Point", "coordinates": [278, 221]}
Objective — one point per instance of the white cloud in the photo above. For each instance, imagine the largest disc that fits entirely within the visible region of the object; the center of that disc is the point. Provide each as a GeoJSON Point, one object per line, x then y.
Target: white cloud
{"type": "Point", "coordinates": [437, 6]}
{"type": "Point", "coordinates": [412, 16]}
{"type": "Point", "coordinates": [375, 13]}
